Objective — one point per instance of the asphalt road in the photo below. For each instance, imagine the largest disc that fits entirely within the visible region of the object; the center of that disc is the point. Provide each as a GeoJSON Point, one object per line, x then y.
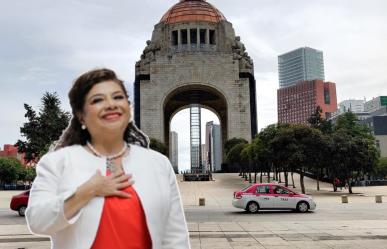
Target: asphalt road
{"type": "Point", "coordinates": [324, 212]}
{"type": "Point", "coordinates": [10, 217]}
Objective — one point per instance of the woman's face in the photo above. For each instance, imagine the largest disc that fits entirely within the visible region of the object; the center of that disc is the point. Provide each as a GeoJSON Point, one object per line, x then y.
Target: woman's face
{"type": "Point", "coordinates": [106, 110]}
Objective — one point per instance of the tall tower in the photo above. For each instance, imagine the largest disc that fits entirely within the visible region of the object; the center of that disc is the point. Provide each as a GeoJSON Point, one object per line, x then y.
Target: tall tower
{"type": "Point", "coordinates": [195, 138]}
{"type": "Point", "coordinates": [173, 151]}
{"type": "Point", "coordinates": [300, 65]}
{"type": "Point", "coordinates": [213, 146]}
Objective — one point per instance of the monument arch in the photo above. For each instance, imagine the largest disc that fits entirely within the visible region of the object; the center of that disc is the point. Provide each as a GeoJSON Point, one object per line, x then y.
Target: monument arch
{"type": "Point", "coordinates": [193, 57]}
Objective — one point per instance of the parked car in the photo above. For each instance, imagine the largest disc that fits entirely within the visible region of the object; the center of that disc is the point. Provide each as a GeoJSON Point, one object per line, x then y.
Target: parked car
{"type": "Point", "coordinates": [19, 202]}
{"type": "Point", "coordinates": [271, 196]}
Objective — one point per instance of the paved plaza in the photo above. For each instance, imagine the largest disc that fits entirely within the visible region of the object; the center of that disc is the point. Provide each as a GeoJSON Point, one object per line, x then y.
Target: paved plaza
{"type": "Point", "coordinates": [359, 224]}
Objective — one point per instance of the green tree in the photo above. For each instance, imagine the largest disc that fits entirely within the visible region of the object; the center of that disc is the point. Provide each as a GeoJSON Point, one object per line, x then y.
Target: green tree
{"type": "Point", "coordinates": [232, 142]}
{"type": "Point", "coordinates": [21, 173]}
{"type": "Point", "coordinates": [283, 146]}
{"type": "Point", "coordinates": [297, 149]}
{"type": "Point", "coordinates": [229, 145]}
{"type": "Point", "coordinates": [9, 169]}
{"type": "Point", "coordinates": [158, 146]}
{"type": "Point", "coordinates": [354, 150]}
{"type": "Point", "coordinates": [316, 118]}
{"type": "Point", "coordinates": [42, 129]}
{"type": "Point", "coordinates": [318, 122]}
{"type": "Point", "coordinates": [247, 160]}
{"type": "Point", "coordinates": [354, 155]}
{"type": "Point", "coordinates": [30, 174]}
{"type": "Point", "coordinates": [348, 123]}
{"type": "Point", "coordinates": [325, 159]}
{"type": "Point", "coordinates": [267, 155]}
{"type": "Point", "coordinates": [381, 168]}
{"type": "Point", "coordinates": [257, 157]}
{"type": "Point", "coordinates": [310, 151]}
{"type": "Point", "coordinates": [234, 157]}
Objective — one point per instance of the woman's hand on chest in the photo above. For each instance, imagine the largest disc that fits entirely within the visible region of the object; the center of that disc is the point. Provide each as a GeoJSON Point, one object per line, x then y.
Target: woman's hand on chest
{"type": "Point", "coordinates": [111, 185]}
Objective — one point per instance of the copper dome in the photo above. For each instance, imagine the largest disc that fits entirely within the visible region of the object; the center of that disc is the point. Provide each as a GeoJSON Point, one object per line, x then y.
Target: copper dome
{"type": "Point", "coordinates": [191, 11]}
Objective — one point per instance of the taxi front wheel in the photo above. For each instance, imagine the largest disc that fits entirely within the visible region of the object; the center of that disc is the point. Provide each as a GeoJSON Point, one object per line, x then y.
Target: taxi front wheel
{"type": "Point", "coordinates": [302, 207]}
{"type": "Point", "coordinates": [252, 207]}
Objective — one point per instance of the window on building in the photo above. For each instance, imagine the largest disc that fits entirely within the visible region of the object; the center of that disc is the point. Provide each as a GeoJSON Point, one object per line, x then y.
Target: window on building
{"type": "Point", "coordinates": [203, 34]}
{"type": "Point", "coordinates": [194, 36]}
{"type": "Point", "coordinates": [212, 37]}
{"type": "Point", "coordinates": [327, 97]}
{"type": "Point", "coordinates": [184, 36]}
{"type": "Point", "coordinates": [377, 144]}
{"type": "Point", "coordinates": [175, 38]}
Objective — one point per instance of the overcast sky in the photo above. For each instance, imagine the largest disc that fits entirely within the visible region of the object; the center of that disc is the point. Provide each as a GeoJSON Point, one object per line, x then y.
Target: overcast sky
{"type": "Point", "coordinates": [45, 44]}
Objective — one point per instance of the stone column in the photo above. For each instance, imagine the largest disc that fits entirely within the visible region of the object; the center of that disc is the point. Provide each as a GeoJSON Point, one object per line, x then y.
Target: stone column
{"type": "Point", "coordinates": [179, 38]}
{"type": "Point", "coordinates": [207, 36]}
{"type": "Point", "coordinates": [189, 38]}
{"type": "Point", "coordinates": [198, 37]}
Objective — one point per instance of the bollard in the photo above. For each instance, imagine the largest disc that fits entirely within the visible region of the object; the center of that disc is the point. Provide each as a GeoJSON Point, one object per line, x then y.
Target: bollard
{"type": "Point", "coordinates": [202, 202]}
{"type": "Point", "coordinates": [378, 198]}
{"type": "Point", "coordinates": [344, 199]}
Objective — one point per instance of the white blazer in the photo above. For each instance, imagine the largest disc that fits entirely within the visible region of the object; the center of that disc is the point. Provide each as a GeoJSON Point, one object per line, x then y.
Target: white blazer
{"type": "Point", "coordinates": [59, 174]}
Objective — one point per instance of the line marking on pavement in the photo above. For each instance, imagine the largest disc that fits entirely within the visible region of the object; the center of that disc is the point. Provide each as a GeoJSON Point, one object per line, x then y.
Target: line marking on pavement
{"type": "Point", "coordinates": [298, 237]}
{"type": "Point", "coordinates": [10, 240]}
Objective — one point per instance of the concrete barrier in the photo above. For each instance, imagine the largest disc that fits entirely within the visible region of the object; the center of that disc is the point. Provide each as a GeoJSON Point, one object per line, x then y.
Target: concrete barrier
{"type": "Point", "coordinates": [202, 201]}
{"type": "Point", "coordinates": [378, 198]}
{"type": "Point", "coordinates": [344, 199]}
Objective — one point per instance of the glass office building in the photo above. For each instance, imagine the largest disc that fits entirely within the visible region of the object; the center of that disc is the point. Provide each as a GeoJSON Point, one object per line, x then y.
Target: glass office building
{"type": "Point", "coordinates": [300, 65]}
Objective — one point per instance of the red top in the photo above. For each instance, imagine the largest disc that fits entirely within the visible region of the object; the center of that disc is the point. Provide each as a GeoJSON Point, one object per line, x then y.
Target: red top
{"type": "Point", "coordinates": [123, 224]}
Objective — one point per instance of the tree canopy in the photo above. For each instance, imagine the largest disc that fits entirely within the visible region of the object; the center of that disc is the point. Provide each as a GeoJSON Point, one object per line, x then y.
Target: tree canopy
{"type": "Point", "coordinates": [345, 150]}
{"type": "Point", "coordinates": [318, 122]}
{"type": "Point", "coordinates": [42, 128]}
{"type": "Point", "coordinates": [381, 168]}
{"type": "Point", "coordinates": [158, 146]}
{"type": "Point", "coordinates": [10, 170]}
{"type": "Point", "coordinates": [232, 142]}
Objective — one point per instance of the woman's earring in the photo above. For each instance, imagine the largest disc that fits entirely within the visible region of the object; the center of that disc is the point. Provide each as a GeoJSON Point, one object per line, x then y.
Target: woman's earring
{"type": "Point", "coordinates": [83, 127]}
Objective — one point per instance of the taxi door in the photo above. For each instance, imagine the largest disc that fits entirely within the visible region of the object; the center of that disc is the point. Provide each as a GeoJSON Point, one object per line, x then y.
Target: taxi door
{"type": "Point", "coordinates": [264, 197]}
{"type": "Point", "coordinates": [282, 197]}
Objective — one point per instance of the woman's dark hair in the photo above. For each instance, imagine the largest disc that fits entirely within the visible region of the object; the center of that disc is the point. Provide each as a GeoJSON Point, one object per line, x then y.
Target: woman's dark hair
{"type": "Point", "coordinates": [74, 134]}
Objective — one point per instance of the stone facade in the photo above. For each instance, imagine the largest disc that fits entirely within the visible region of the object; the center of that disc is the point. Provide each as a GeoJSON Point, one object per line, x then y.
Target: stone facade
{"type": "Point", "coordinates": [195, 62]}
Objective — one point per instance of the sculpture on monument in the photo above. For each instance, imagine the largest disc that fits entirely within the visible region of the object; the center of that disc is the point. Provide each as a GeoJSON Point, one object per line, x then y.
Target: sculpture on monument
{"type": "Point", "coordinates": [240, 54]}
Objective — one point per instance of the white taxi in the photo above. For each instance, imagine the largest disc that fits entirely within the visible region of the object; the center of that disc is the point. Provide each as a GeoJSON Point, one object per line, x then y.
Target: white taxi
{"type": "Point", "coordinates": [271, 196]}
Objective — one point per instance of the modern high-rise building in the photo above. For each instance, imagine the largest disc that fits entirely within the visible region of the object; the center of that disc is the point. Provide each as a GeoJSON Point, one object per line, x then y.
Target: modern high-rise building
{"type": "Point", "coordinates": [173, 151]}
{"type": "Point", "coordinates": [300, 65]}
{"type": "Point", "coordinates": [195, 138]}
{"type": "Point", "coordinates": [377, 121]}
{"type": "Point", "coordinates": [378, 127]}
{"type": "Point", "coordinates": [356, 106]}
{"type": "Point", "coordinates": [375, 104]}
{"type": "Point", "coordinates": [298, 102]}
{"type": "Point", "coordinates": [204, 157]}
{"type": "Point", "coordinates": [213, 147]}
{"type": "Point", "coordinates": [353, 105]}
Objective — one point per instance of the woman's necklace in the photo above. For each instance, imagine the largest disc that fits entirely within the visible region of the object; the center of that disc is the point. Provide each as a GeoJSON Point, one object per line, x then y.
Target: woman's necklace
{"type": "Point", "coordinates": [109, 159]}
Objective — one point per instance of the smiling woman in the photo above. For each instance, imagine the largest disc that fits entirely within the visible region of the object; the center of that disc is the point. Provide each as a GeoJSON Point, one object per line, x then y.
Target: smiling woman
{"type": "Point", "coordinates": [97, 118]}
{"type": "Point", "coordinates": [88, 94]}
{"type": "Point", "coordinates": [84, 195]}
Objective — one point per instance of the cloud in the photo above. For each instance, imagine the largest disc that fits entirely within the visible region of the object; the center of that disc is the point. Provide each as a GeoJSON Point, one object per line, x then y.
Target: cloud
{"type": "Point", "coordinates": [46, 45]}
